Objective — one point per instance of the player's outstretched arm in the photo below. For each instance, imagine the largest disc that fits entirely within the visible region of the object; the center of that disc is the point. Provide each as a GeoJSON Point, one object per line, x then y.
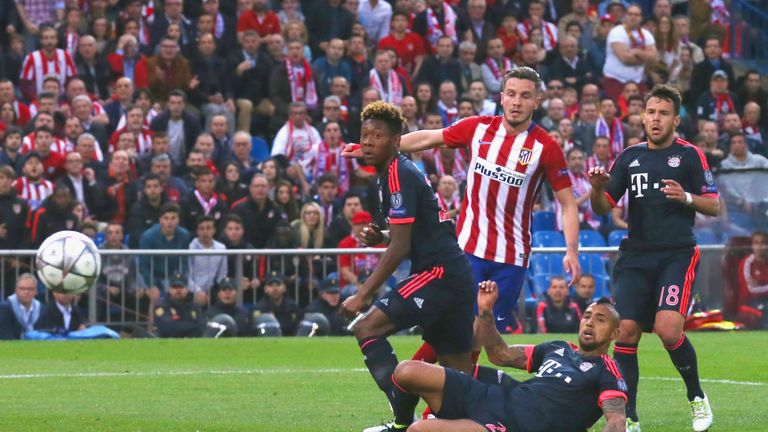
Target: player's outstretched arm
{"type": "Point", "coordinates": [421, 140]}
{"type": "Point", "coordinates": [707, 205]}
{"type": "Point", "coordinates": [598, 179]}
{"type": "Point", "coordinates": [499, 353]}
{"type": "Point", "coordinates": [614, 411]}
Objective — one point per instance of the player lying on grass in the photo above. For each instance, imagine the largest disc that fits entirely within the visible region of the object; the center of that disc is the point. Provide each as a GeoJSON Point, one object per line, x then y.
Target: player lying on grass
{"type": "Point", "coordinates": [438, 295]}
{"type": "Point", "coordinates": [572, 387]}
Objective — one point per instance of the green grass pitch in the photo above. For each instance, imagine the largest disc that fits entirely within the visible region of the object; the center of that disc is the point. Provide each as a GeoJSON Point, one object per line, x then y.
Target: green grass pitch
{"type": "Point", "coordinates": [319, 384]}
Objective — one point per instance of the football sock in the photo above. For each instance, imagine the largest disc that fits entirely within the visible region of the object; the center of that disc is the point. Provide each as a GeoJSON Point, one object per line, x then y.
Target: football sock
{"type": "Point", "coordinates": [425, 353]}
{"type": "Point", "coordinates": [683, 356]}
{"type": "Point", "coordinates": [626, 356]}
{"type": "Point", "coordinates": [381, 362]}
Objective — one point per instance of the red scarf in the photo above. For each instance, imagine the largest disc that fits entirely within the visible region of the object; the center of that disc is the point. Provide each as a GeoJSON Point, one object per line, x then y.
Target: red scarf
{"type": "Point", "coordinates": [289, 150]}
{"type": "Point", "coordinates": [302, 90]}
{"type": "Point", "coordinates": [394, 93]}
{"type": "Point", "coordinates": [494, 66]}
{"type": "Point", "coordinates": [207, 204]}
{"type": "Point", "coordinates": [434, 30]}
{"type": "Point", "coordinates": [635, 43]}
{"type": "Point", "coordinates": [724, 99]}
{"type": "Point", "coordinates": [615, 133]}
{"type": "Point", "coordinates": [458, 170]}
{"type": "Point", "coordinates": [329, 161]}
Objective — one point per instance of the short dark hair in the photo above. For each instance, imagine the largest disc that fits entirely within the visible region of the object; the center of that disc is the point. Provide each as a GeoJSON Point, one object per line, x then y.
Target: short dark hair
{"type": "Point", "coordinates": [391, 115]}
{"type": "Point", "coordinates": [205, 218]}
{"type": "Point", "coordinates": [159, 134]}
{"type": "Point", "coordinates": [523, 73]}
{"type": "Point", "coordinates": [13, 130]}
{"type": "Point", "coordinates": [170, 207]}
{"type": "Point", "coordinates": [7, 171]}
{"type": "Point", "coordinates": [629, 99]}
{"type": "Point", "coordinates": [759, 233]}
{"type": "Point", "coordinates": [43, 129]}
{"type": "Point", "coordinates": [179, 93]}
{"type": "Point", "coordinates": [327, 178]}
{"type": "Point", "coordinates": [201, 171]}
{"type": "Point", "coordinates": [586, 275]}
{"type": "Point", "coordinates": [149, 177]}
{"type": "Point", "coordinates": [736, 134]}
{"type": "Point", "coordinates": [46, 95]}
{"type": "Point", "coordinates": [399, 12]}
{"type": "Point", "coordinates": [573, 150]}
{"type": "Point", "coordinates": [573, 23]}
{"type": "Point", "coordinates": [665, 92]}
{"type": "Point", "coordinates": [233, 217]}
{"type": "Point", "coordinates": [349, 195]}
{"type": "Point", "coordinates": [605, 301]}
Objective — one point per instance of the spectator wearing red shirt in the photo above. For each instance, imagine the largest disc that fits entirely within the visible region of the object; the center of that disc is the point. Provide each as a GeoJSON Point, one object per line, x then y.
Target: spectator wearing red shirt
{"type": "Point", "coordinates": [350, 266]}
{"type": "Point", "coordinates": [753, 284]}
{"type": "Point", "coordinates": [7, 94]}
{"type": "Point", "coordinates": [408, 46]}
{"type": "Point", "coordinates": [53, 162]}
{"type": "Point", "coordinates": [261, 19]}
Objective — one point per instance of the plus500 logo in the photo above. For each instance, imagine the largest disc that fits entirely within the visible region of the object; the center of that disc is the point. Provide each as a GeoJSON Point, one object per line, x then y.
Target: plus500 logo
{"type": "Point", "coordinates": [500, 174]}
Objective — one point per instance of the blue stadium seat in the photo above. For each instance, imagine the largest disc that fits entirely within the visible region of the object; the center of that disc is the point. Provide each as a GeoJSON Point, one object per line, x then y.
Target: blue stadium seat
{"type": "Point", "coordinates": [547, 263]}
{"type": "Point", "coordinates": [531, 298]}
{"type": "Point", "coordinates": [742, 220]}
{"type": "Point", "coordinates": [99, 239]}
{"type": "Point", "coordinates": [706, 237]}
{"type": "Point", "coordinates": [540, 285]}
{"type": "Point", "coordinates": [548, 239]}
{"type": "Point", "coordinates": [592, 263]}
{"type": "Point", "coordinates": [543, 221]}
{"type": "Point", "coordinates": [602, 286]}
{"type": "Point", "coordinates": [616, 236]}
{"type": "Point", "coordinates": [589, 238]}
{"type": "Point", "coordinates": [259, 149]}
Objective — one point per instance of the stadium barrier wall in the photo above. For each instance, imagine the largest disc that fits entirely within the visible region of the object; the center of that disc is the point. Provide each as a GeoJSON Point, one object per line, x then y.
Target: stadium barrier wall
{"type": "Point", "coordinates": [126, 309]}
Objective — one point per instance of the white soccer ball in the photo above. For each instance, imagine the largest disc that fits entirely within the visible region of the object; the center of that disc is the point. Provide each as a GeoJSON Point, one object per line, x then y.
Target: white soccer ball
{"type": "Point", "coordinates": [68, 262]}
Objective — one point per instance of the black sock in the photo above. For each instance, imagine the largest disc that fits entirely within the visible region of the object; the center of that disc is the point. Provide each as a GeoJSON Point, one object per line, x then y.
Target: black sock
{"type": "Point", "coordinates": [488, 375]}
{"type": "Point", "coordinates": [381, 362]}
{"type": "Point", "coordinates": [683, 356]}
{"type": "Point", "coordinates": [626, 356]}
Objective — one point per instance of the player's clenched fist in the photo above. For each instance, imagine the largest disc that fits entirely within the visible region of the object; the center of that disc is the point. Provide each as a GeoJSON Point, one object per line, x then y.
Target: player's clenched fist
{"type": "Point", "coordinates": [352, 150]}
{"type": "Point", "coordinates": [371, 235]}
{"type": "Point", "coordinates": [487, 293]}
{"type": "Point", "coordinates": [598, 177]}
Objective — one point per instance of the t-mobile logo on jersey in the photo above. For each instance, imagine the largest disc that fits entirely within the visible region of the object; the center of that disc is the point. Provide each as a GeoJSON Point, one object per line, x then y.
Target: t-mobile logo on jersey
{"type": "Point", "coordinates": [639, 183]}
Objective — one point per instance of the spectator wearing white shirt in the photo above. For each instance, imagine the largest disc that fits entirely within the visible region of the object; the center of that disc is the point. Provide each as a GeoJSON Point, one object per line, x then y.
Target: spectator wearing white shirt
{"type": "Point", "coordinates": [205, 271]}
{"type": "Point", "coordinates": [630, 49]}
{"type": "Point", "coordinates": [375, 15]}
{"type": "Point", "coordinates": [297, 140]}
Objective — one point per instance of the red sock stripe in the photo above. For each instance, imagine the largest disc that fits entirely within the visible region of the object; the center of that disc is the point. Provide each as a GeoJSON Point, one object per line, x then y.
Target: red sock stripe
{"type": "Point", "coordinates": [677, 344]}
{"type": "Point", "coordinates": [366, 343]}
{"type": "Point", "coordinates": [394, 381]}
{"type": "Point", "coordinates": [611, 365]}
{"type": "Point", "coordinates": [394, 180]}
{"type": "Point", "coordinates": [690, 275]}
{"type": "Point", "coordinates": [475, 372]}
{"type": "Point", "coordinates": [624, 350]}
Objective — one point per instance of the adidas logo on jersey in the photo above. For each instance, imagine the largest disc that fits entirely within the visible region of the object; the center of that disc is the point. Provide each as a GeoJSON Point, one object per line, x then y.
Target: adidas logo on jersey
{"type": "Point", "coordinates": [419, 301]}
{"type": "Point", "coordinates": [635, 163]}
{"type": "Point", "coordinates": [560, 352]}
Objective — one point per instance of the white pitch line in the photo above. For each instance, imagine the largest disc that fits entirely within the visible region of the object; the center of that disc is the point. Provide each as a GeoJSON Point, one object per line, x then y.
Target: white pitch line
{"type": "Point", "coordinates": [279, 371]}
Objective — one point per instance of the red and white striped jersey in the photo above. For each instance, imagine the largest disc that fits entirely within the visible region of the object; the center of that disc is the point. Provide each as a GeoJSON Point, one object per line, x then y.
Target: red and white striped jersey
{"type": "Point", "coordinates": [58, 145]}
{"type": "Point", "coordinates": [504, 177]}
{"type": "Point", "coordinates": [37, 66]}
{"type": "Point", "coordinates": [594, 162]}
{"type": "Point", "coordinates": [34, 193]}
{"type": "Point", "coordinates": [581, 187]}
{"type": "Point", "coordinates": [143, 141]}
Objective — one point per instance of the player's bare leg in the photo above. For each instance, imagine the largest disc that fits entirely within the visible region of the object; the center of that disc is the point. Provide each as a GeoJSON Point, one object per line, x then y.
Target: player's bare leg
{"type": "Point", "coordinates": [459, 361]}
{"type": "Point", "coordinates": [428, 381]}
{"type": "Point", "coordinates": [625, 354]}
{"type": "Point", "coordinates": [669, 327]}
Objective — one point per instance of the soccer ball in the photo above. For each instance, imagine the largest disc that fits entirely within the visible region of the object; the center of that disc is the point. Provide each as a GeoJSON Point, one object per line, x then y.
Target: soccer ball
{"type": "Point", "coordinates": [68, 262]}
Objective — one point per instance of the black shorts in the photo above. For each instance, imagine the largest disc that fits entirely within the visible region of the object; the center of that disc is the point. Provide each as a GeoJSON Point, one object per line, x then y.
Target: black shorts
{"type": "Point", "coordinates": [646, 282]}
{"type": "Point", "coordinates": [486, 404]}
{"type": "Point", "coordinates": [440, 300]}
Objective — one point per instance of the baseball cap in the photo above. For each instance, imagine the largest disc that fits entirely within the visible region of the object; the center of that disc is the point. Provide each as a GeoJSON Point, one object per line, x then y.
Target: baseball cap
{"type": "Point", "coordinates": [31, 155]}
{"type": "Point", "coordinates": [362, 217]}
{"type": "Point", "coordinates": [274, 277]}
{"type": "Point", "coordinates": [719, 74]}
{"type": "Point", "coordinates": [607, 18]}
{"type": "Point", "coordinates": [177, 280]}
{"type": "Point", "coordinates": [227, 283]}
{"type": "Point", "coordinates": [330, 284]}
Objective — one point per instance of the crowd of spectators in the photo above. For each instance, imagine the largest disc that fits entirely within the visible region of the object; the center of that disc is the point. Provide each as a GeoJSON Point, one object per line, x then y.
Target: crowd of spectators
{"type": "Point", "coordinates": [219, 124]}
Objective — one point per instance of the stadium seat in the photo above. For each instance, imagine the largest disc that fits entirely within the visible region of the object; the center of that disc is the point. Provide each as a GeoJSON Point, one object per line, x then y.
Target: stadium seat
{"type": "Point", "coordinates": [543, 221]}
{"type": "Point", "coordinates": [259, 149]}
{"type": "Point", "coordinates": [742, 220]}
{"type": "Point", "coordinates": [99, 239]}
{"type": "Point", "coordinates": [602, 287]}
{"type": "Point", "coordinates": [589, 238]}
{"type": "Point", "coordinates": [616, 236]}
{"type": "Point", "coordinates": [548, 239]}
{"type": "Point", "coordinates": [541, 284]}
{"type": "Point", "coordinates": [706, 237]}
{"type": "Point", "coordinates": [547, 263]}
{"type": "Point", "coordinates": [592, 263]}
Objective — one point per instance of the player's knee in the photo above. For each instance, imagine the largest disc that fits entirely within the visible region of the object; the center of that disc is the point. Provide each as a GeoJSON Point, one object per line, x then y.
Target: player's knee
{"type": "Point", "coordinates": [669, 334]}
{"type": "Point", "coordinates": [406, 371]}
{"type": "Point", "coordinates": [629, 332]}
{"type": "Point", "coordinates": [419, 426]}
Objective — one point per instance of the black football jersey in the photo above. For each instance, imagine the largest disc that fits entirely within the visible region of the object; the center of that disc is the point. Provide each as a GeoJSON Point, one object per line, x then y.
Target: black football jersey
{"type": "Point", "coordinates": [568, 390]}
{"type": "Point", "coordinates": [406, 197]}
{"type": "Point", "coordinates": [656, 222]}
